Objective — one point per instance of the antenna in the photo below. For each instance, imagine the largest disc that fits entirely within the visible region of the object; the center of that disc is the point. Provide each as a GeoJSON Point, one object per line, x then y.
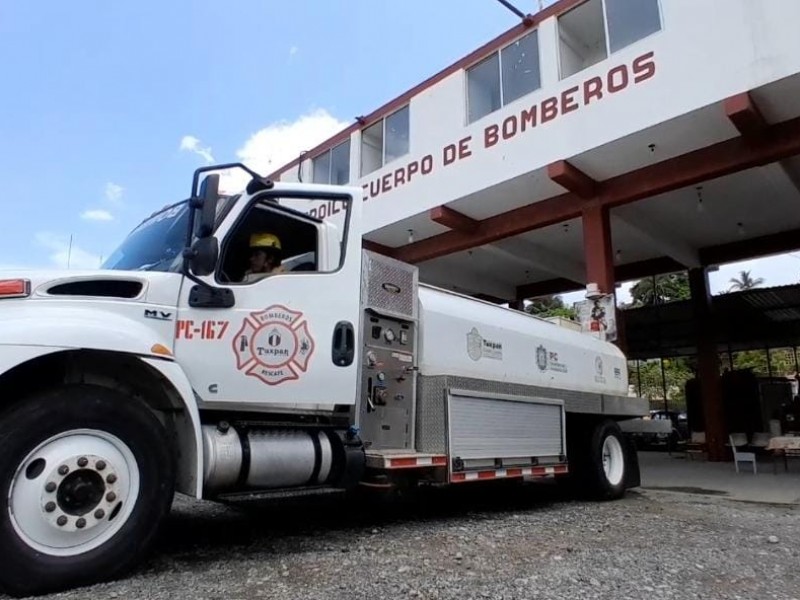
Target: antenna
{"type": "Point", "coordinates": [525, 18]}
{"type": "Point", "coordinates": [69, 251]}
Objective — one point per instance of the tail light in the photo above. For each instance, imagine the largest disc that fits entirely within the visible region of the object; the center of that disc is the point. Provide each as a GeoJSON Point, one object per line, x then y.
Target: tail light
{"type": "Point", "coordinates": [15, 288]}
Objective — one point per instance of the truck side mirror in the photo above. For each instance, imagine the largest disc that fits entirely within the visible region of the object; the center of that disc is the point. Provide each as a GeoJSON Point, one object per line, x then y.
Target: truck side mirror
{"type": "Point", "coordinates": [203, 255]}
{"type": "Point", "coordinates": [209, 196]}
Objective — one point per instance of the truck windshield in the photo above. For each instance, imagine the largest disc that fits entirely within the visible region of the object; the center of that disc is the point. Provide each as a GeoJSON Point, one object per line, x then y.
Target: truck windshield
{"type": "Point", "coordinates": [155, 245]}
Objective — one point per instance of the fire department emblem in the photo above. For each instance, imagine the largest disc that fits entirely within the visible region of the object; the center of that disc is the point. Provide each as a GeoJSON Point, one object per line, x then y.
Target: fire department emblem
{"type": "Point", "coordinates": [474, 344]}
{"type": "Point", "coordinates": [273, 345]}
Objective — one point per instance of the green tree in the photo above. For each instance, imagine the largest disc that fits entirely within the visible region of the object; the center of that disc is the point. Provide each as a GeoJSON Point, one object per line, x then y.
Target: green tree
{"type": "Point", "coordinates": [648, 378]}
{"type": "Point", "coordinates": [745, 282]}
{"type": "Point", "coordinates": [660, 289]}
{"type": "Point", "coordinates": [550, 306]}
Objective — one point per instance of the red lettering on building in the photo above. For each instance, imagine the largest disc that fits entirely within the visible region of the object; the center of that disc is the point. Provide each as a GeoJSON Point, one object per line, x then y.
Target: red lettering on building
{"type": "Point", "coordinates": [510, 127]}
{"type": "Point", "coordinates": [644, 67]}
{"type": "Point", "coordinates": [490, 136]}
{"type": "Point", "coordinates": [412, 169]}
{"type": "Point", "coordinates": [528, 117]}
{"type": "Point", "coordinates": [374, 188]}
{"type": "Point", "coordinates": [463, 148]}
{"type": "Point", "coordinates": [592, 89]}
{"type": "Point", "coordinates": [549, 109]}
{"type": "Point", "coordinates": [449, 155]}
{"type": "Point", "coordinates": [427, 164]}
{"type": "Point", "coordinates": [568, 102]}
{"type": "Point", "coordinates": [618, 79]}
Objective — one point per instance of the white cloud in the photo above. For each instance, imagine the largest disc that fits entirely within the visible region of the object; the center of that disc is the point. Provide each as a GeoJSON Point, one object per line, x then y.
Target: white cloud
{"type": "Point", "coordinates": [279, 143]}
{"type": "Point", "coordinates": [189, 143]}
{"type": "Point", "coordinates": [114, 193]}
{"type": "Point", "coordinates": [97, 214]}
{"type": "Point", "coordinates": [293, 50]}
{"type": "Point", "coordinates": [63, 256]}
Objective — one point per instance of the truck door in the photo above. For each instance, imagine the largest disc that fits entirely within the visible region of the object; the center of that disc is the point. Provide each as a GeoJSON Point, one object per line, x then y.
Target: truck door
{"type": "Point", "coordinates": [288, 339]}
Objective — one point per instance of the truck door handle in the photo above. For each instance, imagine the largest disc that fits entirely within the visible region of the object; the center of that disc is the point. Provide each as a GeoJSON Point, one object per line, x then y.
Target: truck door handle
{"type": "Point", "coordinates": [344, 344]}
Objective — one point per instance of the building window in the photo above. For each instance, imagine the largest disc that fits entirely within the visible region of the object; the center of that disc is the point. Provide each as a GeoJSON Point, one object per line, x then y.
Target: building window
{"type": "Point", "coordinates": [631, 20]}
{"type": "Point", "coordinates": [592, 31]}
{"type": "Point", "coordinates": [333, 166]}
{"type": "Point", "coordinates": [503, 77]}
{"type": "Point", "coordinates": [385, 141]}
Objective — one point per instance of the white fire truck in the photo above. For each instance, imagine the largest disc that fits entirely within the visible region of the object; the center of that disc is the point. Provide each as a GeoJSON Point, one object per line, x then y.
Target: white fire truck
{"type": "Point", "coordinates": [168, 370]}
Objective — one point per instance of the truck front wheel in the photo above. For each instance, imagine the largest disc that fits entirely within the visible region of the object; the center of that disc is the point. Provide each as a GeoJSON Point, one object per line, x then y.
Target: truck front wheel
{"type": "Point", "coordinates": [86, 478]}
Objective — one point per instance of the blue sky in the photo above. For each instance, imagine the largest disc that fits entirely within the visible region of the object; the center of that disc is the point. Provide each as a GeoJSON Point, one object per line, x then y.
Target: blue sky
{"type": "Point", "coordinates": [108, 107]}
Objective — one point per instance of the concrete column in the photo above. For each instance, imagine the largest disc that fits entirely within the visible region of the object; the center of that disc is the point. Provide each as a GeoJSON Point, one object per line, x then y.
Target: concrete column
{"type": "Point", "coordinates": [708, 365]}
{"type": "Point", "coordinates": [598, 249]}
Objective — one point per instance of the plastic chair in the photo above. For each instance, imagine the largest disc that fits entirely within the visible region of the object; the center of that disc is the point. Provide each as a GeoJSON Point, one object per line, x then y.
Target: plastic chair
{"type": "Point", "coordinates": [696, 446]}
{"type": "Point", "coordinates": [741, 456]}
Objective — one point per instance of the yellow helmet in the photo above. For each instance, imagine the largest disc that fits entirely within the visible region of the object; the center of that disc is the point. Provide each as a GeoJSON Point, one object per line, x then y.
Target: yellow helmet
{"type": "Point", "coordinates": [265, 240]}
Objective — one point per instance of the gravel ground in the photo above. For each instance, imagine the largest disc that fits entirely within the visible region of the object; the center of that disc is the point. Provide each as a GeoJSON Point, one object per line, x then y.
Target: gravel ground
{"type": "Point", "coordinates": [505, 542]}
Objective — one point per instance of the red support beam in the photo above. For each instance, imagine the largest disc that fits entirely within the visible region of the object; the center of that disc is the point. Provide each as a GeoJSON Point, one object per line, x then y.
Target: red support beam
{"type": "Point", "coordinates": [377, 248]}
{"type": "Point", "coordinates": [598, 248]}
{"type": "Point", "coordinates": [629, 272]}
{"type": "Point", "coordinates": [776, 243]}
{"type": "Point", "coordinates": [647, 268]}
{"type": "Point", "coordinates": [744, 114]}
{"type": "Point", "coordinates": [453, 219]}
{"type": "Point", "coordinates": [572, 179]}
{"type": "Point", "coordinates": [779, 141]}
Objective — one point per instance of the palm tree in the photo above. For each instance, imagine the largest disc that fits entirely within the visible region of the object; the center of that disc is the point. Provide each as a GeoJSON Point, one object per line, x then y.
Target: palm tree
{"type": "Point", "coordinates": [745, 282]}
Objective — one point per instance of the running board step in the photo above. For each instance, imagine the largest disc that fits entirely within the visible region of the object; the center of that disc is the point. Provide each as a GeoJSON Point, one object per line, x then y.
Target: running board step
{"type": "Point", "coordinates": [280, 494]}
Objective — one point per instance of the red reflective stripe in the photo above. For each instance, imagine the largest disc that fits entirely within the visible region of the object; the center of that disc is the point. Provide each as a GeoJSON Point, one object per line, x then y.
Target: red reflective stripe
{"type": "Point", "coordinates": [415, 461]}
{"type": "Point", "coordinates": [559, 469]}
{"type": "Point", "coordinates": [403, 462]}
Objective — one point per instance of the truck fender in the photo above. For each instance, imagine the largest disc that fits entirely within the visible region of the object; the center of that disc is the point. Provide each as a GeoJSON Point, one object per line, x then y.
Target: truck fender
{"type": "Point", "coordinates": [190, 442]}
{"type": "Point", "coordinates": [185, 412]}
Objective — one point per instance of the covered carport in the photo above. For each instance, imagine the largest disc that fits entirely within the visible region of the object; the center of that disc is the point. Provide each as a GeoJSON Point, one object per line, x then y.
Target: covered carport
{"type": "Point", "coordinates": [764, 320]}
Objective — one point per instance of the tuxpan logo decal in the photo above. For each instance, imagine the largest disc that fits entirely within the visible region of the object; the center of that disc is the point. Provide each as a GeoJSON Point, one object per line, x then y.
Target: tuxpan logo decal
{"type": "Point", "coordinates": [478, 347]}
{"type": "Point", "coordinates": [274, 345]}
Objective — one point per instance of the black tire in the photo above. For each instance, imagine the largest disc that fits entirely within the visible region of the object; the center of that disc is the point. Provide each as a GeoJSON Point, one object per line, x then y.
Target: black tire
{"type": "Point", "coordinates": [600, 486]}
{"type": "Point", "coordinates": [28, 571]}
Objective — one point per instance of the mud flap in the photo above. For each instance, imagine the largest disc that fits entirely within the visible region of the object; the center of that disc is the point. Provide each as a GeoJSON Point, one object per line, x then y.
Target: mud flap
{"type": "Point", "coordinates": [632, 474]}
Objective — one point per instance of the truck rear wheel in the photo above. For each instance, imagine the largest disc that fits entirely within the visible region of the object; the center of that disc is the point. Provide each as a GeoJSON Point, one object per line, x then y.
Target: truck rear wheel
{"type": "Point", "coordinates": [86, 478]}
{"type": "Point", "coordinates": [607, 467]}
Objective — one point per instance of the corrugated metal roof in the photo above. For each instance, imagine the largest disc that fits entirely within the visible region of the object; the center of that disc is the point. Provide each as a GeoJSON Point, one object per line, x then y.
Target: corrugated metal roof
{"type": "Point", "coordinates": [750, 319]}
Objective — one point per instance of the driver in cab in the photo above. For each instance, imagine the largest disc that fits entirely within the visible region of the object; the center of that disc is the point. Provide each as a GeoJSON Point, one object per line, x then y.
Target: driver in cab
{"type": "Point", "coordinates": [265, 257]}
